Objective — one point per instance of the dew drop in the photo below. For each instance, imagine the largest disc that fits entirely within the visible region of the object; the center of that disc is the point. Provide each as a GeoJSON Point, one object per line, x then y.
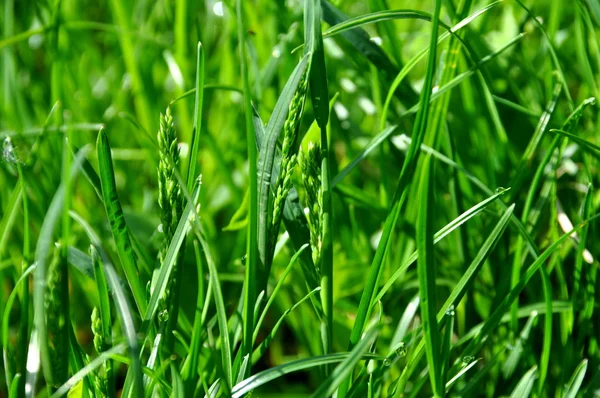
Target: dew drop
{"type": "Point", "coordinates": [499, 189]}
{"type": "Point", "coordinates": [450, 311]}
{"type": "Point", "coordinates": [401, 350]}
{"type": "Point", "coordinates": [387, 362]}
{"type": "Point", "coordinates": [467, 359]}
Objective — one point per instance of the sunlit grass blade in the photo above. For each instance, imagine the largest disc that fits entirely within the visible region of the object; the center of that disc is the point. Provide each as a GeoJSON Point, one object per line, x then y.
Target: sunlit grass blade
{"type": "Point", "coordinates": [117, 222]}
{"type": "Point", "coordinates": [525, 385]}
{"type": "Point", "coordinates": [264, 377]}
{"type": "Point", "coordinates": [38, 352]}
{"type": "Point", "coordinates": [576, 380]}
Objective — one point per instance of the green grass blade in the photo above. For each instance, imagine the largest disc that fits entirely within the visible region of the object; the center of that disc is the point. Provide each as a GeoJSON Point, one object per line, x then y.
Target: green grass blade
{"type": "Point", "coordinates": [404, 179]}
{"type": "Point", "coordinates": [265, 164]}
{"type": "Point", "coordinates": [576, 380]}
{"type": "Point", "coordinates": [199, 99]}
{"type": "Point", "coordinates": [264, 345]}
{"type": "Point", "coordinates": [105, 313]}
{"type": "Point", "coordinates": [252, 261]}
{"type": "Point", "coordinates": [523, 389]}
{"type": "Point", "coordinates": [118, 226]}
{"type": "Point", "coordinates": [87, 370]}
{"type": "Point", "coordinates": [282, 279]}
{"type": "Point", "coordinates": [226, 356]}
{"type": "Point", "coordinates": [264, 377]}
{"type": "Point", "coordinates": [42, 250]}
{"type": "Point", "coordinates": [126, 317]}
{"type": "Point", "coordinates": [343, 370]}
{"type": "Point", "coordinates": [427, 276]}
{"type": "Point", "coordinates": [313, 45]}
{"type": "Point", "coordinates": [183, 227]}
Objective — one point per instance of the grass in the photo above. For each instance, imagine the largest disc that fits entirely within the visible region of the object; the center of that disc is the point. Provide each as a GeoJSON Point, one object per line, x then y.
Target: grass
{"type": "Point", "coordinates": [274, 231]}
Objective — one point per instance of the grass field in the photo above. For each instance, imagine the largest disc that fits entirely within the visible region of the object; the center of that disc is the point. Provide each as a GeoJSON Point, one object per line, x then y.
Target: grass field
{"type": "Point", "coordinates": [383, 198]}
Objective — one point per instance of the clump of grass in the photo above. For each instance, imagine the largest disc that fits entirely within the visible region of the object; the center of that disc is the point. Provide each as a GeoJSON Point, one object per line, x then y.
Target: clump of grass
{"type": "Point", "coordinates": [454, 98]}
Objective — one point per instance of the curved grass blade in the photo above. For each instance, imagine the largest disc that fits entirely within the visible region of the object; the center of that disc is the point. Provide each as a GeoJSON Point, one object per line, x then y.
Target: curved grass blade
{"type": "Point", "coordinates": [576, 380]}
{"type": "Point", "coordinates": [282, 278]}
{"type": "Point", "coordinates": [87, 370]}
{"type": "Point", "coordinates": [260, 350]}
{"type": "Point", "coordinates": [118, 226]}
{"type": "Point", "coordinates": [38, 352]}
{"type": "Point", "coordinates": [523, 389]}
{"type": "Point", "coordinates": [264, 377]}
{"type": "Point", "coordinates": [460, 289]}
{"type": "Point", "coordinates": [344, 369]}
{"type": "Point", "coordinates": [375, 142]}
{"type": "Point", "coordinates": [408, 169]}
{"type": "Point", "coordinates": [441, 234]}
{"type": "Point", "coordinates": [360, 40]}
{"type": "Point", "coordinates": [5, 323]}
{"type": "Point", "coordinates": [553, 54]}
{"type": "Point", "coordinates": [126, 317]}
{"type": "Point", "coordinates": [496, 317]}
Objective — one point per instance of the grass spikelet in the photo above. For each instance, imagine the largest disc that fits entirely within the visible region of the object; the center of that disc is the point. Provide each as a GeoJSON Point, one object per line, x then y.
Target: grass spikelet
{"type": "Point", "coordinates": [310, 165]}
{"type": "Point", "coordinates": [288, 162]}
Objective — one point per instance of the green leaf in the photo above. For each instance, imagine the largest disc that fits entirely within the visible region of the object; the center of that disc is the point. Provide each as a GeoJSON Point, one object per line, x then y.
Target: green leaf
{"type": "Point", "coordinates": [199, 99]}
{"type": "Point", "coordinates": [525, 385]}
{"type": "Point", "coordinates": [118, 226]}
{"type": "Point", "coordinates": [184, 225]}
{"type": "Point", "coordinates": [264, 377]}
{"type": "Point", "coordinates": [344, 369]}
{"type": "Point", "coordinates": [576, 380]}
{"type": "Point", "coordinates": [266, 160]}
{"type": "Point", "coordinates": [313, 45]}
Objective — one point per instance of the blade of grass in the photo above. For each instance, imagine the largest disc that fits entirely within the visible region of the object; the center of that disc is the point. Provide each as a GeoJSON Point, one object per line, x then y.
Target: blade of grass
{"type": "Point", "coordinates": [251, 273]}
{"type": "Point", "coordinates": [576, 380]}
{"type": "Point", "coordinates": [226, 356]}
{"type": "Point", "coordinates": [198, 102]}
{"type": "Point", "coordinates": [184, 225]}
{"type": "Point", "coordinates": [38, 352]}
{"type": "Point", "coordinates": [264, 377]}
{"type": "Point", "coordinates": [403, 181]}
{"type": "Point", "coordinates": [119, 228]}
{"type": "Point", "coordinates": [343, 370]}
{"type": "Point", "coordinates": [523, 389]}
{"type": "Point", "coordinates": [265, 165]}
